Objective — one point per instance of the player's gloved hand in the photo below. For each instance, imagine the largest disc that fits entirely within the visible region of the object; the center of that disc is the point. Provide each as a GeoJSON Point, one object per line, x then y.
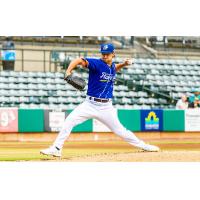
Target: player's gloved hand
{"type": "Point", "coordinates": [76, 82]}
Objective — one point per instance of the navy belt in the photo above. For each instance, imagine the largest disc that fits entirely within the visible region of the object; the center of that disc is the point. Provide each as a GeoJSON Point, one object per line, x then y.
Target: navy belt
{"type": "Point", "coordinates": [99, 100]}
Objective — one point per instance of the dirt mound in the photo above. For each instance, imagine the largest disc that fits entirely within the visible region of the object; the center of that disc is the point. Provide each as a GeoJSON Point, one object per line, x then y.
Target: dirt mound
{"type": "Point", "coordinates": [163, 156]}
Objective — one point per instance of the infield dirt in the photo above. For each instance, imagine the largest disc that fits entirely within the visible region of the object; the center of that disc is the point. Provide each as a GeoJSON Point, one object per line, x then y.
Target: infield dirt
{"type": "Point", "coordinates": [102, 148]}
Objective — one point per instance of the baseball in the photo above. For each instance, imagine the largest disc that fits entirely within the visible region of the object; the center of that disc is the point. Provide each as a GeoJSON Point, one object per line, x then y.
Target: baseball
{"type": "Point", "coordinates": [129, 61]}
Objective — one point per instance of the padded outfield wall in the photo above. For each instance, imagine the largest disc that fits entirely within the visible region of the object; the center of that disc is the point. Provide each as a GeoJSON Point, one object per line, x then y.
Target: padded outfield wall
{"type": "Point", "coordinates": [39, 120]}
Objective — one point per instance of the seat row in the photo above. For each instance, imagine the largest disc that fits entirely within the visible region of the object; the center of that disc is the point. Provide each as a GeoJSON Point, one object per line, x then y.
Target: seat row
{"type": "Point", "coordinates": [166, 61]}
{"type": "Point", "coordinates": [39, 86]}
{"type": "Point", "coordinates": [39, 100]}
{"type": "Point", "coordinates": [61, 106]}
{"type": "Point", "coordinates": [56, 93]}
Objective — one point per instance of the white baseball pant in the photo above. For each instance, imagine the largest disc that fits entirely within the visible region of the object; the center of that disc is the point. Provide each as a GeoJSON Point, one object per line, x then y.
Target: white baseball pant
{"type": "Point", "coordinates": [105, 113]}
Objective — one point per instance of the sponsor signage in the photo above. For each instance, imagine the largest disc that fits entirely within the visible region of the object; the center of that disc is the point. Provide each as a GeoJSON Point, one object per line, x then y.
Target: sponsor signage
{"type": "Point", "coordinates": [151, 120]}
{"type": "Point", "coordinates": [9, 120]}
{"type": "Point", "coordinates": [192, 119]}
{"type": "Point", "coordinates": [56, 120]}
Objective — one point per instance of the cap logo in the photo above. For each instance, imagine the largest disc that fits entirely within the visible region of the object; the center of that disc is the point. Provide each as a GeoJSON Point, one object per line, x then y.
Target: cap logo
{"type": "Point", "coordinates": [105, 47]}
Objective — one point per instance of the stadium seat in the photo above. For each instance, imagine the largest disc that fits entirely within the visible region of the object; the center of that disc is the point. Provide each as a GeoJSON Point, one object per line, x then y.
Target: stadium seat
{"type": "Point", "coordinates": [71, 99]}
{"type": "Point", "coordinates": [12, 92]}
{"type": "Point", "coordinates": [12, 79]}
{"type": "Point", "coordinates": [159, 67]}
{"type": "Point", "coordinates": [60, 87]}
{"type": "Point", "coordinates": [133, 94]}
{"type": "Point", "coordinates": [23, 105]}
{"type": "Point", "coordinates": [32, 86]}
{"type": "Point", "coordinates": [62, 93]}
{"type": "Point", "coordinates": [50, 80]}
{"type": "Point", "coordinates": [14, 99]}
{"type": "Point", "coordinates": [3, 85]}
{"type": "Point", "coordinates": [40, 80]}
{"type": "Point", "coordinates": [50, 86]}
{"type": "Point", "coordinates": [165, 76]}
{"type": "Point", "coordinates": [126, 100]}
{"type": "Point", "coordinates": [32, 92]}
{"type": "Point", "coordinates": [59, 80]}
{"type": "Point", "coordinates": [195, 78]}
{"type": "Point", "coordinates": [126, 77]}
{"type": "Point", "coordinates": [52, 100]}
{"type": "Point", "coordinates": [32, 74]}
{"type": "Point", "coordinates": [4, 99]}
{"type": "Point", "coordinates": [62, 99]}
{"type": "Point", "coordinates": [5, 74]}
{"type": "Point", "coordinates": [142, 100]}
{"type": "Point", "coordinates": [43, 106]}
{"type": "Point", "coordinates": [122, 93]}
{"type": "Point", "coordinates": [23, 99]}
{"type": "Point", "coordinates": [191, 83]}
{"type": "Point", "coordinates": [50, 75]}
{"type": "Point", "coordinates": [42, 86]}
{"type": "Point", "coordinates": [22, 80]}
{"type": "Point", "coordinates": [42, 93]}
{"type": "Point", "coordinates": [23, 93]}
{"type": "Point", "coordinates": [33, 99]}
{"type": "Point", "coordinates": [40, 74]}
{"type": "Point", "coordinates": [12, 86]}
{"type": "Point", "coordinates": [23, 74]}
{"type": "Point", "coordinates": [71, 106]}
{"type": "Point", "coordinates": [188, 89]}
{"type": "Point", "coordinates": [59, 75]}
{"type": "Point", "coordinates": [13, 74]}
{"type": "Point", "coordinates": [4, 80]}
{"type": "Point", "coordinates": [142, 94]}
{"type": "Point", "coordinates": [136, 106]}
{"type": "Point", "coordinates": [33, 106]}
{"type": "Point", "coordinates": [22, 86]}
{"type": "Point", "coordinates": [154, 71]}
{"type": "Point", "coordinates": [145, 107]}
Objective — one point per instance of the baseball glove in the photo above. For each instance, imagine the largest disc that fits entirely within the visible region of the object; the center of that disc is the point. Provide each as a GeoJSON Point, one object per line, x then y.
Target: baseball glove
{"type": "Point", "coordinates": [76, 82]}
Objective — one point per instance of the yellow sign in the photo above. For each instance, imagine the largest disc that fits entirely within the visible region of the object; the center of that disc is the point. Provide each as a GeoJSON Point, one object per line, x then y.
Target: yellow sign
{"type": "Point", "coordinates": [150, 115]}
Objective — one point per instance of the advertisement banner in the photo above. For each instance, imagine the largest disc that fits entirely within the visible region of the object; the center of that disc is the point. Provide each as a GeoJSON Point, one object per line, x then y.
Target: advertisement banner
{"type": "Point", "coordinates": [56, 120]}
{"type": "Point", "coordinates": [192, 120]}
{"type": "Point", "coordinates": [8, 119]}
{"type": "Point", "coordinates": [151, 120]}
{"type": "Point", "coordinates": [99, 126]}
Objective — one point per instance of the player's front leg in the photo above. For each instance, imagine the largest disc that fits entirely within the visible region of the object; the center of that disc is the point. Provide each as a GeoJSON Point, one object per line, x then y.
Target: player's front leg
{"type": "Point", "coordinates": [111, 121]}
{"type": "Point", "coordinates": [77, 116]}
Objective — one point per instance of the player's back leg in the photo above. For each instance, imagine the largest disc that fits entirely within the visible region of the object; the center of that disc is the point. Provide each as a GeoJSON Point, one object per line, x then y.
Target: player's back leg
{"type": "Point", "coordinates": [110, 119]}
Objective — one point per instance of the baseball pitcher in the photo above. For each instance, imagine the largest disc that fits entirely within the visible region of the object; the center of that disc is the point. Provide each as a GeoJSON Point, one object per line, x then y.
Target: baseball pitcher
{"type": "Point", "coordinates": [98, 102]}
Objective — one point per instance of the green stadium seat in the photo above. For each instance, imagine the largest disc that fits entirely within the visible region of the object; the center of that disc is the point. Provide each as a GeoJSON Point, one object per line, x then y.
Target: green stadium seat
{"type": "Point", "coordinates": [4, 73]}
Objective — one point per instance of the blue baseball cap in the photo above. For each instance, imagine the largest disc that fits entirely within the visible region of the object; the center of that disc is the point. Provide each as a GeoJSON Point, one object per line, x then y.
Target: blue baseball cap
{"type": "Point", "coordinates": [107, 48]}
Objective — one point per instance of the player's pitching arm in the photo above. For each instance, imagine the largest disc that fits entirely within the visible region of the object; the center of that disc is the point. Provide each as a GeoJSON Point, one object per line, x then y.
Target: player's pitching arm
{"type": "Point", "coordinates": [124, 64]}
{"type": "Point", "coordinates": [74, 64]}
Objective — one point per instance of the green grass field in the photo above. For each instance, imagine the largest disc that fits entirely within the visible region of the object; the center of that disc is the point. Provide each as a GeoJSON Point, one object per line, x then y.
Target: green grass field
{"type": "Point", "coordinates": [29, 151]}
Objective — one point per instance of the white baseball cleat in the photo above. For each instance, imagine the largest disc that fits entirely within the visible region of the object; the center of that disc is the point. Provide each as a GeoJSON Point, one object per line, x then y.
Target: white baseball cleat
{"type": "Point", "coordinates": [147, 147]}
{"type": "Point", "coordinates": [151, 148]}
{"type": "Point", "coordinates": [51, 151]}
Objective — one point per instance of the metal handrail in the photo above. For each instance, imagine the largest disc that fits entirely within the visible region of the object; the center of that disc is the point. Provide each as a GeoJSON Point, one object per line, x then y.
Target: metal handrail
{"type": "Point", "coordinates": [48, 61]}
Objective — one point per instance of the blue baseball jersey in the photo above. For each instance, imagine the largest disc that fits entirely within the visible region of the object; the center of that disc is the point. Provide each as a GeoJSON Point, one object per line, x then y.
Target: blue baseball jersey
{"type": "Point", "coordinates": [101, 78]}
